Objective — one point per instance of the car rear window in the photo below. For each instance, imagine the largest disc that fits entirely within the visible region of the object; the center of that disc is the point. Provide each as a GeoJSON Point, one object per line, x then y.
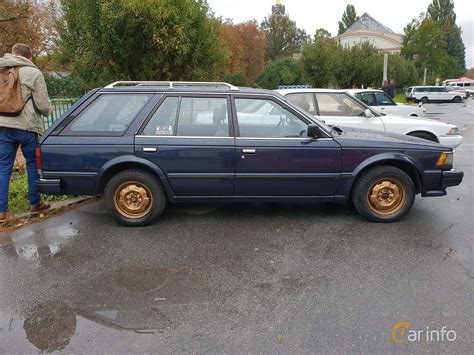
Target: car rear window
{"type": "Point", "coordinates": [109, 114]}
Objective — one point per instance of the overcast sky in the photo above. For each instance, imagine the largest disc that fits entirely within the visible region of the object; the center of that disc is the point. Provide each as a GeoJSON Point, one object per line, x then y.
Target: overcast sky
{"type": "Point", "coordinates": [313, 14]}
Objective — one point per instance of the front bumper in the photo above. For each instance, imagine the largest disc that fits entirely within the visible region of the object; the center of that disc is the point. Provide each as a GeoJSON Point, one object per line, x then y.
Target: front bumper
{"type": "Point", "coordinates": [451, 177]}
{"type": "Point", "coordinates": [48, 186]}
{"type": "Point", "coordinates": [450, 141]}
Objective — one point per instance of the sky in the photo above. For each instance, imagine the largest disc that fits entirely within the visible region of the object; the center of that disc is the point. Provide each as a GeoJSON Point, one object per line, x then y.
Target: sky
{"type": "Point", "coordinates": [313, 14]}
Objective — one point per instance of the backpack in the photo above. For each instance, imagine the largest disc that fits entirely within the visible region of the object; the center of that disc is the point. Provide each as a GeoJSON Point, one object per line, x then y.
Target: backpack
{"type": "Point", "coordinates": [11, 100]}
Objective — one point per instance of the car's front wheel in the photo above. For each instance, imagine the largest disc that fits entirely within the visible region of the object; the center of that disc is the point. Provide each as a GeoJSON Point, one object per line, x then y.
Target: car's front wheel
{"type": "Point", "coordinates": [134, 197]}
{"type": "Point", "coordinates": [383, 194]}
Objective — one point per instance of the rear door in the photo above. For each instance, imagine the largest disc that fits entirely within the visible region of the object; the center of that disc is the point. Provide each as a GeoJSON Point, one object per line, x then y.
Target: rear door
{"type": "Point", "coordinates": [190, 139]}
{"type": "Point", "coordinates": [275, 158]}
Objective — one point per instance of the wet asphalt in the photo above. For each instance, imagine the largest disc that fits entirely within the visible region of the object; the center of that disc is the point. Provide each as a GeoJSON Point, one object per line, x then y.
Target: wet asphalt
{"type": "Point", "coordinates": [245, 277]}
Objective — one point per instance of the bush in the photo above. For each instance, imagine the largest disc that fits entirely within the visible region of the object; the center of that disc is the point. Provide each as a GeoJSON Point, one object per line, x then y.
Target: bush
{"type": "Point", "coordinates": [283, 71]}
{"type": "Point", "coordinates": [63, 85]}
{"type": "Point", "coordinates": [236, 78]}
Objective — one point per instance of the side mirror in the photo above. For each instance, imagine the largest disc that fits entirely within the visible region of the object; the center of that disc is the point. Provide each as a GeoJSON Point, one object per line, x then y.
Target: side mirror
{"type": "Point", "coordinates": [420, 104]}
{"type": "Point", "coordinates": [314, 131]}
{"type": "Point", "coordinates": [368, 113]}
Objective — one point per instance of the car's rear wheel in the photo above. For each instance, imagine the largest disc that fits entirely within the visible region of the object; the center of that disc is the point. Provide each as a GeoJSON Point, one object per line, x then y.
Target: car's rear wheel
{"type": "Point", "coordinates": [134, 197]}
{"type": "Point", "coordinates": [383, 194]}
{"type": "Point", "coordinates": [424, 135]}
{"type": "Point", "coordinates": [424, 99]}
{"type": "Point", "coordinates": [457, 99]}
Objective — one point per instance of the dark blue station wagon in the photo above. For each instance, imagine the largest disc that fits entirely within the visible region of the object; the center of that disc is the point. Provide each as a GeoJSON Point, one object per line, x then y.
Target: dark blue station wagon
{"type": "Point", "coordinates": [144, 144]}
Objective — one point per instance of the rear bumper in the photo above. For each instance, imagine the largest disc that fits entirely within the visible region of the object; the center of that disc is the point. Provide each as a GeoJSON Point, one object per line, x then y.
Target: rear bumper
{"type": "Point", "coordinates": [451, 177]}
{"type": "Point", "coordinates": [48, 186]}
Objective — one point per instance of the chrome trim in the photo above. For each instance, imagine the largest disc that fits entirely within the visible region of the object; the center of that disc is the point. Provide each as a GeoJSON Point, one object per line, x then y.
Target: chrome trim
{"type": "Point", "coordinates": [249, 151]}
{"type": "Point", "coordinates": [170, 84]}
{"type": "Point", "coordinates": [280, 138]}
{"type": "Point", "coordinates": [186, 137]}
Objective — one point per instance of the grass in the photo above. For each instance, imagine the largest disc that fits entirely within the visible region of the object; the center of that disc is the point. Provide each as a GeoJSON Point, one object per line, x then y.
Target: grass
{"type": "Point", "coordinates": [18, 196]}
{"type": "Point", "coordinates": [400, 98]}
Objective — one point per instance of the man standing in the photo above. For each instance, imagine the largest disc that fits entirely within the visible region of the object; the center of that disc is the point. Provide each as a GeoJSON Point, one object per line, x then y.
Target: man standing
{"type": "Point", "coordinates": [24, 128]}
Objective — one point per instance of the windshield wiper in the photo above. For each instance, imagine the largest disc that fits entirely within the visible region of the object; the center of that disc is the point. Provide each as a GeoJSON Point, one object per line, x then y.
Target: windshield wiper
{"type": "Point", "coordinates": [337, 129]}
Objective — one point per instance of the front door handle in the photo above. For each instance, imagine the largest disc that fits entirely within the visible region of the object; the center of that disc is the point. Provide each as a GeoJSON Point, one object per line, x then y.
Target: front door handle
{"type": "Point", "coordinates": [249, 151]}
{"type": "Point", "coordinates": [149, 149]}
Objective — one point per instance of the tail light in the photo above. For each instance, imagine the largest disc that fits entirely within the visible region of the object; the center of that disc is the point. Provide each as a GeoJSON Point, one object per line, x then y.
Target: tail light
{"type": "Point", "coordinates": [38, 159]}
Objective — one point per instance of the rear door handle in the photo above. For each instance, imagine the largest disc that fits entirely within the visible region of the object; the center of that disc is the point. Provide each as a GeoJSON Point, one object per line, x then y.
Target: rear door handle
{"type": "Point", "coordinates": [249, 151]}
{"type": "Point", "coordinates": [149, 149]}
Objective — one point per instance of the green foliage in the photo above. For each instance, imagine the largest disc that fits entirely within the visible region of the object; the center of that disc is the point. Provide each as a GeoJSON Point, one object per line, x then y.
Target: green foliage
{"type": "Point", "coordinates": [321, 61]}
{"type": "Point", "coordinates": [322, 33]}
{"type": "Point", "coordinates": [402, 70]}
{"type": "Point", "coordinates": [327, 63]}
{"type": "Point", "coordinates": [283, 71]}
{"type": "Point", "coordinates": [348, 18]}
{"type": "Point", "coordinates": [18, 195]}
{"type": "Point", "coordinates": [425, 42]}
{"type": "Point", "coordinates": [65, 86]}
{"type": "Point", "coordinates": [282, 36]}
{"type": "Point", "coordinates": [442, 12]}
{"type": "Point", "coordinates": [108, 40]}
{"type": "Point", "coordinates": [236, 78]}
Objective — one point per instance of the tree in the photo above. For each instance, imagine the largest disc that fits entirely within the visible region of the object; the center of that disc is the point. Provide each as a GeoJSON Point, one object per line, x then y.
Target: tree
{"type": "Point", "coordinates": [322, 33]}
{"type": "Point", "coordinates": [282, 71]}
{"type": "Point", "coordinates": [30, 24]}
{"type": "Point", "coordinates": [320, 62]}
{"type": "Point", "coordinates": [470, 73]}
{"type": "Point", "coordinates": [282, 36]}
{"type": "Point", "coordinates": [236, 78]}
{"type": "Point", "coordinates": [442, 12]}
{"type": "Point", "coordinates": [402, 70]}
{"type": "Point", "coordinates": [246, 46]}
{"type": "Point", "coordinates": [348, 18]}
{"type": "Point", "coordinates": [360, 65]}
{"type": "Point", "coordinates": [106, 40]}
{"type": "Point", "coordinates": [425, 42]}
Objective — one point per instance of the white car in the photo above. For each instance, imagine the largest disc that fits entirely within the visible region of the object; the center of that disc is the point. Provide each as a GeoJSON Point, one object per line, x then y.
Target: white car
{"type": "Point", "coordinates": [381, 102]}
{"type": "Point", "coordinates": [341, 109]}
{"type": "Point", "coordinates": [426, 94]}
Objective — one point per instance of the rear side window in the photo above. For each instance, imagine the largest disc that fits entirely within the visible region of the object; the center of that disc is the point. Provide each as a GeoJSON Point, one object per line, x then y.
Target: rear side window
{"type": "Point", "coordinates": [109, 114]}
{"type": "Point", "coordinates": [338, 104]}
{"type": "Point", "coordinates": [303, 100]}
{"type": "Point", "coordinates": [367, 98]}
{"type": "Point", "coordinates": [190, 116]}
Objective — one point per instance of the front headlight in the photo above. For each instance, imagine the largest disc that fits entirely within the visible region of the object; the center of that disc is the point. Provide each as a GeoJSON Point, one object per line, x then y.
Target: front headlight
{"type": "Point", "coordinates": [445, 161]}
{"type": "Point", "coordinates": [454, 131]}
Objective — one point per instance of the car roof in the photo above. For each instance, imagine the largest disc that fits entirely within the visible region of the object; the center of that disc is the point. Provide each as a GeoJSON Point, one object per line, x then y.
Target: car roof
{"type": "Point", "coordinates": [306, 90]}
{"type": "Point", "coordinates": [356, 91]}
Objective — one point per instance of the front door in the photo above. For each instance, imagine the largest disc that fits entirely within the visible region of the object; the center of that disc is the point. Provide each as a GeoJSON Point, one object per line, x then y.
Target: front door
{"type": "Point", "coordinates": [341, 110]}
{"type": "Point", "coordinates": [274, 157]}
{"type": "Point", "coordinates": [189, 138]}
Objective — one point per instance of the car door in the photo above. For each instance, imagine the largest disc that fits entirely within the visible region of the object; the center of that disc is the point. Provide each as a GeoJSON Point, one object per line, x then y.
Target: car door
{"type": "Point", "coordinates": [190, 139]}
{"type": "Point", "coordinates": [340, 109]}
{"type": "Point", "coordinates": [275, 158]}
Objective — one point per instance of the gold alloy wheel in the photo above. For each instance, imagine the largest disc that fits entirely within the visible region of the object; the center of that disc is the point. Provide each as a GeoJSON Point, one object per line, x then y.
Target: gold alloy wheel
{"type": "Point", "coordinates": [133, 200]}
{"type": "Point", "coordinates": [386, 196]}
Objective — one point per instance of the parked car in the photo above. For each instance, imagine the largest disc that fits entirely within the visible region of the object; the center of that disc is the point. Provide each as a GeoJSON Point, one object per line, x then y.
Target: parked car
{"type": "Point", "coordinates": [426, 94]}
{"type": "Point", "coordinates": [466, 86]}
{"type": "Point", "coordinates": [336, 107]}
{"type": "Point", "coordinates": [381, 102]}
{"type": "Point", "coordinates": [145, 144]}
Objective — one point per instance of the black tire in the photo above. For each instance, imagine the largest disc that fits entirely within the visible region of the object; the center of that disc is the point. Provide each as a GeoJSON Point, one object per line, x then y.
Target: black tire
{"type": "Point", "coordinates": [128, 192]}
{"type": "Point", "coordinates": [372, 185]}
{"type": "Point", "coordinates": [424, 99]}
{"type": "Point", "coordinates": [424, 135]}
{"type": "Point", "coordinates": [457, 99]}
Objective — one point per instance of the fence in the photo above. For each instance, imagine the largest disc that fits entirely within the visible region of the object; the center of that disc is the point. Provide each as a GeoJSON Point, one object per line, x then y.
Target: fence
{"type": "Point", "coordinates": [60, 105]}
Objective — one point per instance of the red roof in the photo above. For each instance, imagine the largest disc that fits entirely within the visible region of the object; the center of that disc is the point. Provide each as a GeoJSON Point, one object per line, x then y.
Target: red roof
{"type": "Point", "coordinates": [464, 78]}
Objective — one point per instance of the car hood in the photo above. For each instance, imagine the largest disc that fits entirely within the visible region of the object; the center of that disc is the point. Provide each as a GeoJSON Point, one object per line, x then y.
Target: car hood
{"type": "Point", "coordinates": [387, 119]}
{"type": "Point", "coordinates": [363, 137]}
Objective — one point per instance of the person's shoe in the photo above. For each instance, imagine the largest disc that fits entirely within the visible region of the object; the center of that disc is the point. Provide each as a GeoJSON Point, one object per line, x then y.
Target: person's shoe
{"type": "Point", "coordinates": [42, 206]}
{"type": "Point", "coordinates": [3, 217]}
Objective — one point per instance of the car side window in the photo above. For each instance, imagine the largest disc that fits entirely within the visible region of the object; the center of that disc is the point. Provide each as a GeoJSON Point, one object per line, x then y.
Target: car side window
{"type": "Point", "coordinates": [109, 114]}
{"type": "Point", "coordinates": [367, 98]}
{"type": "Point", "coordinates": [303, 100]}
{"type": "Point", "coordinates": [383, 99]}
{"type": "Point", "coordinates": [163, 121]}
{"type": "Point", "coordinates": [338, 104]}
{"type": "Point", "coordinates": [267, 119]}
{"type": "Point", "coordinates": [203, 116]}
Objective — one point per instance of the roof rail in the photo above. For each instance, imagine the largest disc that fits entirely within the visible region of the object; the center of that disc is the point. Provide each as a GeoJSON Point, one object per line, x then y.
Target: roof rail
{"type": "Point", "coordinates": [170, 84]}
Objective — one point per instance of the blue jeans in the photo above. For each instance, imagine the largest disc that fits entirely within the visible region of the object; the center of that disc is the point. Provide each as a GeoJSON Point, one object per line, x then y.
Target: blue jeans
{"type": "Point", "coordinates": [10, 139]}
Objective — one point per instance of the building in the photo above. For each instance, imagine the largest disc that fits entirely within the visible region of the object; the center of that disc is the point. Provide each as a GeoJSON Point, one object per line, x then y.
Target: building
{"type": "Point", "coordinates": [368, 29]}
{"type": "Point", "coordinates": [278, 8]}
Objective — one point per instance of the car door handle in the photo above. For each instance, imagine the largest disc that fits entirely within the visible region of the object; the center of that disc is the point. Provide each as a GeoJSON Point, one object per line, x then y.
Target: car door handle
{"type": "Point", "coordinates": [149, 149]}
{"type": "Point", "coordinates": [249, 151]}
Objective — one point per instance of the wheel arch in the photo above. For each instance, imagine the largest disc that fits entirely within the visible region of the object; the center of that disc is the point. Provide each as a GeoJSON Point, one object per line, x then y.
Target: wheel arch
{"type": "Point", "coordinates": [403, 162]}
{"type": "Point", "coordinates": [131, 162]}
{"type": "Point", "coordinates": [434, 136]}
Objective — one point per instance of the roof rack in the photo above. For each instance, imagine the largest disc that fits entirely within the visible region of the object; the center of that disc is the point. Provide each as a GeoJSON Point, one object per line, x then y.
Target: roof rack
{"type": "Point", "coordinates": [171, 84]}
